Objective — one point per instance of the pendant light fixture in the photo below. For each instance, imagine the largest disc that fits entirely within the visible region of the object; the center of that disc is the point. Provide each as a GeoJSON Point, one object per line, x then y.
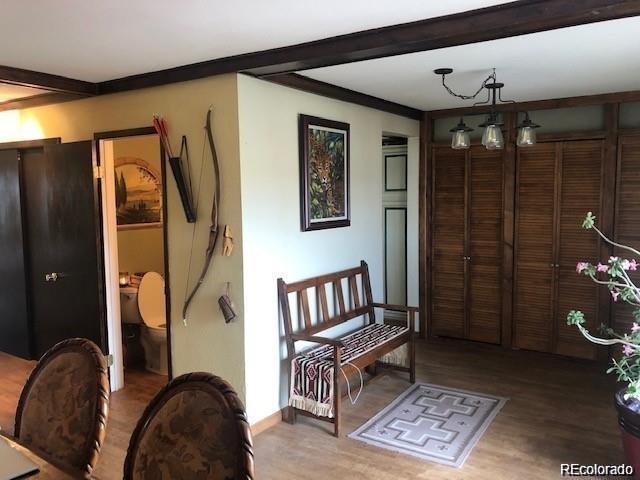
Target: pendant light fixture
{"type": "Point", "coordinates": [460, 139]}
{"type": "Point", "coordinates": [492, 137]}
{"type": "Point", "coordinates": [526, 132]}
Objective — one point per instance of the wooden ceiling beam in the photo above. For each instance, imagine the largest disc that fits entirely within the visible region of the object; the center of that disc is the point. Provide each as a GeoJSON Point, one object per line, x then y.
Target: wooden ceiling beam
{"type": "Point", "coordinates": [491, 23]}
{"type": "Point", "coordinates": [39, 100]}
{"type": "Point", "coordinates": [480, 25]}
{"type": "Point", "coordinates": [46, 81]}
{"type": "Point", "coordinates": [329, 90]}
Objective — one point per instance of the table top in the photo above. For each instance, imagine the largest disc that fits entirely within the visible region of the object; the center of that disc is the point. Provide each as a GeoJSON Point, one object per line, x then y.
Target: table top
{"type": "Point", "coordinates": [47, 471]}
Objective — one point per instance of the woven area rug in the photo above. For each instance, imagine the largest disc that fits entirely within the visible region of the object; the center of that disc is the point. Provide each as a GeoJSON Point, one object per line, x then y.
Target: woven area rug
{"type": "Point", "coordinates": [432, 422]}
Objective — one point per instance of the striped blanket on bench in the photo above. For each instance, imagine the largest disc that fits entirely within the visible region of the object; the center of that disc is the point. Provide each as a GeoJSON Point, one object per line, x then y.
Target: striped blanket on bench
{"type": "Point", "coordinates": [312, 371]}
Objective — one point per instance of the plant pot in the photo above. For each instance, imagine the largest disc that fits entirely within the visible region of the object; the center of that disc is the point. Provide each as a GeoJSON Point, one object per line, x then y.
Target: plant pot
{"type": "Point", "coordinates": [629, 421]}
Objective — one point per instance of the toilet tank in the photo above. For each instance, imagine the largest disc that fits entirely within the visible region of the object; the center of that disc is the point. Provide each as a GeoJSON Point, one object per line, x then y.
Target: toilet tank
{"type": "Point", "coordinates": [129, 312]}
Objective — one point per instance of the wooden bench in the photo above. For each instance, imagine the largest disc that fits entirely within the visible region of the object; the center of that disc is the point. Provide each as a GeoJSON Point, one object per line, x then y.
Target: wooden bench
{"type": "Point", "coordinates": [344, 309]}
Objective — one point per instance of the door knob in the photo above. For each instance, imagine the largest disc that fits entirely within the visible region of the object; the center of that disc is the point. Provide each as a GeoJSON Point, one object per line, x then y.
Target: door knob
{"type": "Point", "coordinates": [51, 277]}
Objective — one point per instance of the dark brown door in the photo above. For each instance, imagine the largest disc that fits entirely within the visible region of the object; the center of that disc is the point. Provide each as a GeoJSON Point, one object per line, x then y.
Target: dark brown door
{"type": "Point", "coordinates": [62, 217]}
{"type": "Point", "coordinates": [580, 187]}
{"type": "Point", "coordinates": [534, 260]}
{"type": "Point", "coordinates": [448, 243]}
{"type": "Point", "coordinates": [14, 317]}
{"type": "Point", "coordinates": [627, 225]}
{"type": "Point", "coordinates": [484, 251]}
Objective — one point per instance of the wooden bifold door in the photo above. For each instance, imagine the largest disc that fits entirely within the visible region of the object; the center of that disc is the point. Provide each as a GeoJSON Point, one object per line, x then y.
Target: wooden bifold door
{"type": "Point", "coordinates": [466, 268]}
{"type": "Point", "coordinates": [557, 184]}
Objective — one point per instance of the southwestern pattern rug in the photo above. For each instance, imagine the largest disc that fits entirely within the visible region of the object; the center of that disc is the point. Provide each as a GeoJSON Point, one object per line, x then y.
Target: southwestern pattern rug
{"type": "Point", "coordinates": [432, 422]}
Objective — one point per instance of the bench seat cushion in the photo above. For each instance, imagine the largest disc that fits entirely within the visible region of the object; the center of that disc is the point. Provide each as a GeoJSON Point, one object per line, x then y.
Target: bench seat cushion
{"type": "Point", "coordinates": [312, 371]}
{"type": "Point", "coordinates": [359, 342]}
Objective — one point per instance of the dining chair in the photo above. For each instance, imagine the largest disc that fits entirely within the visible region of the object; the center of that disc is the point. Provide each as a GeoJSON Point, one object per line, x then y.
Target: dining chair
{"type": "Point", "coordinates": [194, 428]}
{"type": "Point", "coordinates": [62, 411]}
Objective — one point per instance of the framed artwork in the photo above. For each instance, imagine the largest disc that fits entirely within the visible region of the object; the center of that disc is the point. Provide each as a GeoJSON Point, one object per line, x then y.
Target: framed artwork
{"type": "Point", "coordinates": [324, 173]}
{"type": "Point", "coordinates": [395, 173]}
{"type": "Point", "coordinates": [138, 188]}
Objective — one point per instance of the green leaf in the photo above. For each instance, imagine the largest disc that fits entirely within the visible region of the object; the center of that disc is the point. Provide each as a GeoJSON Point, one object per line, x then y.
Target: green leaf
{"type": "Point", "coordinates": [575, 317]}
{"type": "Point", "coordinates": [589, 221]}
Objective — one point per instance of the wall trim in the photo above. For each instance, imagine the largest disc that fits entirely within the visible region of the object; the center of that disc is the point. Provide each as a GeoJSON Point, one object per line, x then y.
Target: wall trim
{"type": "Point", "coordinates": [329, 90]}
{"type": "Point", "coordinates": [267, 422]}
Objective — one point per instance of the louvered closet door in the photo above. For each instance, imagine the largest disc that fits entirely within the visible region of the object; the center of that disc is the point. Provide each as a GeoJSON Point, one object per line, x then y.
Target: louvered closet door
{"type": "Point", "coordinates": [448, 230]}
{"type": "Point", "coordinates": [533, 253]}
{"type": "Point", "coordinates": [485, 244]}
{"type": "Point", "coordinates": [627, 219]}
{"type": "Point", "coordinates": [581, 177]}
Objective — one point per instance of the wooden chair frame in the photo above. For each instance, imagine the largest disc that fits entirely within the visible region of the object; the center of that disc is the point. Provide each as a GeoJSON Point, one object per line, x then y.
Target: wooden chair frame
{"type": "Point", "coordinates": [204, 382]}
{"type": "Point", "coordinates": [344, 314]}
{"type": "Point", "coordinates": [95, 442]}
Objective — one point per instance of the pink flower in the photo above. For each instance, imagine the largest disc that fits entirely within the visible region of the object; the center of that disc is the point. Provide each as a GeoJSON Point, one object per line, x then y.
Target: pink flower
{"type": "Point", "coordinates": [615, 295]}
{"type": "Point", "coordinates": [581, 266]}
{"type": "Point", "coordinates": [627, 350]}
{"type": "Point", "coordinates": [613, 259]}
{"type": "Point", "coordinates": [626, 264]}
{"type": "Point", "coordinates": [635, 327]}
{"type": "Point", "coordinates": [602, 268]}
{"type": "Point", "coordinates": [633, 265]}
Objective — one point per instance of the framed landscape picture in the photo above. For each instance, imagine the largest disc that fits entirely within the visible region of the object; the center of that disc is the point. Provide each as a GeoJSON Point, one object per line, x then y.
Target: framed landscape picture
{"type": "Point", "coordinates": [324, 173]}
{"type": "Point", "coordinates": [138, 194]}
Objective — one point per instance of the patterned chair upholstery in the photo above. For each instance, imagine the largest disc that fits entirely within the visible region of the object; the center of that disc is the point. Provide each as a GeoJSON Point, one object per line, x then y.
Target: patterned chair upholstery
{"type": "Point", "coordinates": [195, 428]}
{"type": "Point", "coordinates": [63, 408]}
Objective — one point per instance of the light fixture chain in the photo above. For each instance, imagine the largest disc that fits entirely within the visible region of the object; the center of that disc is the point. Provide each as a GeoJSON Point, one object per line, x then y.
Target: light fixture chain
{"type": "Point", "coordinates": [469, 97]}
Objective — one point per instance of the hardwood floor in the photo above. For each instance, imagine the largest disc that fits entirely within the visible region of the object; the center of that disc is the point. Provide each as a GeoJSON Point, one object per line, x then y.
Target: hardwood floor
{"type": "Point", "coordinates": [560, 410]}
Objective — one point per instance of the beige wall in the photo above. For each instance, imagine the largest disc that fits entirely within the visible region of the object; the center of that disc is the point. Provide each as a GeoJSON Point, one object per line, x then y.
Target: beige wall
{"type": "Point", "coordinates": [256, 131]}
{"type": "Point", "coordinates": [273, 244]}
{"type": "Point", "coordinates": [206, 343]}
{"type": "Point", "coordinates": [140, 249]}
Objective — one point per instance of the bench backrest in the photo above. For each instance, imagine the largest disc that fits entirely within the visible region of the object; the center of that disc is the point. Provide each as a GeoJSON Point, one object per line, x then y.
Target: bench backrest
{"type": "Point", "coordinates": [321, 302]}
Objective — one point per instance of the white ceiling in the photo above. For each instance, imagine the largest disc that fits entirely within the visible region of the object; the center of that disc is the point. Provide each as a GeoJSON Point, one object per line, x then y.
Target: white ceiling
{"type": "Point", "coordinates": [590, 59]}
{"type": "Point", "coordinates": [103, 40]}
{"type": "Point", "coordinates": [12, 92]}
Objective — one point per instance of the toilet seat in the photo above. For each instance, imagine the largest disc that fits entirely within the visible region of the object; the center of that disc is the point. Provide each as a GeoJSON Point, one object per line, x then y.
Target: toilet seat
{"type": "Point", "coordinates": [151, 301]}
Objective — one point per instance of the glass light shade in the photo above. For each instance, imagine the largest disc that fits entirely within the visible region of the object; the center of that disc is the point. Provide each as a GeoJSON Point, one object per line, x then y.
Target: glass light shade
{"type": "Point", "coordinates": [460, 140]}
{"type": "Point", "coordinates": [526, 136]}
{"type": "Point", "coordinates": [492, 137]}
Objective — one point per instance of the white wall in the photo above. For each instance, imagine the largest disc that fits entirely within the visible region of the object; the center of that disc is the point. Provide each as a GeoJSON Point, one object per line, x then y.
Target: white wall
{"type": "Point", "coordinates": [273, 245]}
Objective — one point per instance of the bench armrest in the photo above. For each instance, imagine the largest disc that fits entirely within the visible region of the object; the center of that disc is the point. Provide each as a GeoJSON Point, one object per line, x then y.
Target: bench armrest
{"type": "Point", "coordinates": [315, 339]}
{"type": "Point", "coordinates": [396, 308]}
{"type": "Point", "coordinates": [411, 312]}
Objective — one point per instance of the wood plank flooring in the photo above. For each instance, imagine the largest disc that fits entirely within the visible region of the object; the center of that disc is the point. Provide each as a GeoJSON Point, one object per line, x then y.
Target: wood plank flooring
{"type": "Point", "coordinates": [560, 411]}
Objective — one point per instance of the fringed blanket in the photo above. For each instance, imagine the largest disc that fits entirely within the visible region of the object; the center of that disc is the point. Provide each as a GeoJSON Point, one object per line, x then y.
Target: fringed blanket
{"type": "Point", "coordinates": [312, 372]}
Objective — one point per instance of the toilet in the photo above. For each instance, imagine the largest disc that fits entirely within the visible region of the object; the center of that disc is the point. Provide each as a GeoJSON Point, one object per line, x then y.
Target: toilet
{"type": "Point", "coordinates": [149, 310]}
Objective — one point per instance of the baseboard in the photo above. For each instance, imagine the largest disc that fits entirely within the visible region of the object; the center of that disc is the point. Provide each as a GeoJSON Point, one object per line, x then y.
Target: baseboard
{"type": "Point", "coordinates": [266, 423]}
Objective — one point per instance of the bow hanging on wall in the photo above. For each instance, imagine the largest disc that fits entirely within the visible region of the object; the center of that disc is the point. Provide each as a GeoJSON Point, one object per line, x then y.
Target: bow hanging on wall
{"type": "Point", "coordinates": [214, 229]}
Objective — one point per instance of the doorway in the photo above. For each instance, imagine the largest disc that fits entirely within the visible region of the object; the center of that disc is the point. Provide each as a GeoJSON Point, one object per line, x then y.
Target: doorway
{"type": "Point", "coordinates": [394, 210]}
{"type": "Point", "coordinates": [135, 256]}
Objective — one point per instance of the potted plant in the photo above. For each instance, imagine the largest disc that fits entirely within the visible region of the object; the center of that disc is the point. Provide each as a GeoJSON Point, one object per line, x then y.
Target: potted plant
{"type": "Point", "coordinates": [615, 276]}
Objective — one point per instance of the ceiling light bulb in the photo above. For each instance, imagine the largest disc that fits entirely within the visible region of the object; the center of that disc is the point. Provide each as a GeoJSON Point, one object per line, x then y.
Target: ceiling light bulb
{"type": "Point", "coordinates": [526, 132]}
{"type": "Point", "coordinates": [492, 137]}
{"type": "Point", "coordinates": [460, 139]}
